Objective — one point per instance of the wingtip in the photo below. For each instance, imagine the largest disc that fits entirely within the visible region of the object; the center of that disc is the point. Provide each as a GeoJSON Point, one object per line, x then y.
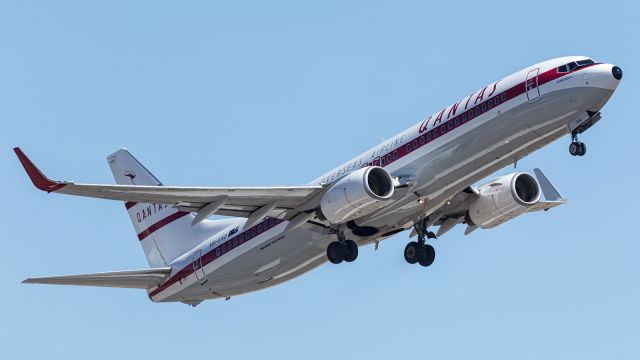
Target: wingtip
{"type": "Point", "coordinates": [38, 179]}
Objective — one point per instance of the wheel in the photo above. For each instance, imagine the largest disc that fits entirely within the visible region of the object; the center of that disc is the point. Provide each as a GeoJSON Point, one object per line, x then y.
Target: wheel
{"type": "Point", "coordinates": [336, 252]}
{"type": "Point", "coordinates": [428, 254]}
{"type": "Point", "coordinates": [412, 252]}
{"type": "Point", "coordinates": [351, 252]}
{"type": "Point", "coordinates": [582, 149]}
{"type": "Point", "coordinates": [573, 148]}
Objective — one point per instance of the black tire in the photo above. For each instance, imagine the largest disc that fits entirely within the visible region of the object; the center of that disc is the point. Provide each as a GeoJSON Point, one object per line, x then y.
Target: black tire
{"type": "Point", "coordinates": [582, 149]}
{"type": "Point", "coordinates": [573, 148]}
{"type": "Point", "coordinates": [428, 255]}
{"type": "Point", "coordinates": [412, 252]}
{"type": "Point", "coordinates": [336, 252]}
{"type": "Point", "coordinates": [351, 252]}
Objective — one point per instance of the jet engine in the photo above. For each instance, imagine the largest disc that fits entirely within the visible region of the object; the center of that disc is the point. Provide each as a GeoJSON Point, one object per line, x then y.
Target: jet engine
{"type": "Point", "coordinates": [503, 199]}
{"type": "Point", "coordinates": [357, 194]}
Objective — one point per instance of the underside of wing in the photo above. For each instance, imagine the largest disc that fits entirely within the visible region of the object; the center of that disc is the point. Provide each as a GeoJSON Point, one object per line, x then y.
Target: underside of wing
{"type": "Point", "coordinates": [136, 279]}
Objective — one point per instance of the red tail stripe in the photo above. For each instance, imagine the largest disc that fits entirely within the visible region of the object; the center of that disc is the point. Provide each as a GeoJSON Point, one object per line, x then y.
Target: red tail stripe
{"type": "Point", "coordinates": [166, 221]}
{"type": "Point", "coordinates": [130, 204]}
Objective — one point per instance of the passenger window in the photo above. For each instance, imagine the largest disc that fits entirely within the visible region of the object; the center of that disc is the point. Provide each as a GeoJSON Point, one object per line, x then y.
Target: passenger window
{"type": "Point", "coordinates": [477, 111]}
{"type": "Point", "coordinates": [428, 136]}
{"type": "Point", "coordinates": [443, 129]}
{"type": "Point", "coordinates": [408, 147]}
{"type": "Point", "coordinates": [503, 97]}
{"type": "Point", "coordinates": [484, 107]}
{"type": "Point", "coordinates": [464, 117]}
{"type": "Point", "coordinates": [490, 103]}
{"type": "Point", "coordinates": [388, 158]}
{"type": "Point", "coordinates": [241, 239]}
{"type": "Point", "coordinates": [382, 162]}
{"type": "Point", "coordinates": [218, 251]}
{"type": "Point", "coordinates": [450, 125]}
{"type": "Point", "coordinates": [422, 139]}
{"type": "Point", "coordinates": [457, 121]}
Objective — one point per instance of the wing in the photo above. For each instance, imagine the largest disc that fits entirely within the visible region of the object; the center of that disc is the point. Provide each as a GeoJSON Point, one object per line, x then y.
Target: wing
{"type": "Point", "coordinates": [231, 201]}
{"type": "Point", "coordinates": [453, 213]}
{"type": "Point", "coordinates": [136, 279]}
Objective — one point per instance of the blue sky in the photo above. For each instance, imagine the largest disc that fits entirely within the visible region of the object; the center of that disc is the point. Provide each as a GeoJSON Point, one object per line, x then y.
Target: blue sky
{"type": "Point", "coordinates": [267, 93]}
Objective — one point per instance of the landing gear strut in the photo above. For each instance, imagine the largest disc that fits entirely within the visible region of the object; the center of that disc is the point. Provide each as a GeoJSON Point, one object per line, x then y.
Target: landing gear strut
{"type": "Point", "coordinates": [577, 148]}
{"type": "Point", "coordinates": [342, 250]}
{"type": "Point", "coordinates": [420, 252]}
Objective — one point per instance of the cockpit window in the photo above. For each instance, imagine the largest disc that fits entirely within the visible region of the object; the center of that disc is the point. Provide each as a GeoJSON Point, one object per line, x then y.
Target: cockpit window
{"type": "Point", "coordinates": [575, 65]}
{"type": "Point", "coordinates": [585, 62]}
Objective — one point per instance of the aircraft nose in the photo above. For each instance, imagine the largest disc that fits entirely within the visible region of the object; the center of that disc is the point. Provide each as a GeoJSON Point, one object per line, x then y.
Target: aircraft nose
{"type": "Point", "coordinates": [616, 72]}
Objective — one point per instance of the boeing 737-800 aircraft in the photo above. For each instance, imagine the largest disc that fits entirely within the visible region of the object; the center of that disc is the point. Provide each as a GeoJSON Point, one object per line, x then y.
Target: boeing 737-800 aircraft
{"type": "Point", "coordinates": [421, 178]}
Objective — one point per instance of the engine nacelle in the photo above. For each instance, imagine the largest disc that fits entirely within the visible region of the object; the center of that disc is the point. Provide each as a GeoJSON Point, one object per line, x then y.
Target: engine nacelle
{"type": "Point", "coordinates": [357, 194]}
{"type": "Point", "coordinates": [503, 199]}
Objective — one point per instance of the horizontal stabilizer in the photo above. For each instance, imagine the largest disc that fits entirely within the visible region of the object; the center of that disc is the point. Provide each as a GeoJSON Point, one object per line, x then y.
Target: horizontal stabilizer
{"type": "Point", "coordinates": [136, 279]}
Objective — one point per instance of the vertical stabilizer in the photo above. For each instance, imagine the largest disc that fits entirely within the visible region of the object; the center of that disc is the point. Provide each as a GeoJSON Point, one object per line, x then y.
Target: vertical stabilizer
{"type": "Point", "coordinates": [164, 232]}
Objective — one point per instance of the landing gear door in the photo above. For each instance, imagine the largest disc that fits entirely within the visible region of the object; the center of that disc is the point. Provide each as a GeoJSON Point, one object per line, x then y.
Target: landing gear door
{"type": "Point", "coordinates": [533, 91]}
{"type": "Point", "coordinates": [197, 267]}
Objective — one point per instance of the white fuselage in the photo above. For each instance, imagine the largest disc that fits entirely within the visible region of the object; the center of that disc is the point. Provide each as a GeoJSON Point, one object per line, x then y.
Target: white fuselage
{"type": "Point", "coordinates": [441, 156]}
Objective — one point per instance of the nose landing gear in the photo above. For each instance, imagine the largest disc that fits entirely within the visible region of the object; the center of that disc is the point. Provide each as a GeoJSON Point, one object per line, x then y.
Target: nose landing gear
{"type": "Point", "coordinates": [577, 148]}
{"type": "Point", "coordinates": [420, 252]}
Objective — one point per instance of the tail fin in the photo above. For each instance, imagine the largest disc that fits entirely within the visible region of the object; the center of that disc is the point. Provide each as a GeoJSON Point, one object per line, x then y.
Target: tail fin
{"type": "Point", "coordinates": [164, 232]}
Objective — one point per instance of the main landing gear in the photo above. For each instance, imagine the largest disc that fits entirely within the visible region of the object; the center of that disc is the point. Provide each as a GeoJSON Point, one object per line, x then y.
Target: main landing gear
{"type": "Point", "coordinates": [420, 252]}
{"type": "Point", "coordinates": [577, 148]}
{"type": "Point", "coordinates": [342, 250]}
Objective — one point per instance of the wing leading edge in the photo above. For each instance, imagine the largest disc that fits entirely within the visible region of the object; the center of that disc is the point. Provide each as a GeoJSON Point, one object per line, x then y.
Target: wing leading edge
{"type": "Point", "coordinates": [230, 201]}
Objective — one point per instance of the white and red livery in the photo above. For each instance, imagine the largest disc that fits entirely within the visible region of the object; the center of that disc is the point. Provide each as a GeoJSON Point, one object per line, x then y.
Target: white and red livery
{"type": "Point", "coordinates": [420, 178]}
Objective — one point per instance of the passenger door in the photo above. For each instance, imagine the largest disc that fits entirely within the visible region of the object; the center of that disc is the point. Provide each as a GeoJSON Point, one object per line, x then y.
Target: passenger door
{"type": "Point", "coordinates": [197, 267]}
{"type": "Point", "coordinates": [533, 92]}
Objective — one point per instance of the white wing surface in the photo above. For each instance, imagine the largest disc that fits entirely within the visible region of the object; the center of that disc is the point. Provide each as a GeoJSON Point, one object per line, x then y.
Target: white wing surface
{"type": "Point", "coordinates": [230, 201]}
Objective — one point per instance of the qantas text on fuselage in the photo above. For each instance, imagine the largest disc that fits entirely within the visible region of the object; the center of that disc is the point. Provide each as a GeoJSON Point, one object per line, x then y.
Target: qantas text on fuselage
{"type": "Point", "coordinates": [421, 179]}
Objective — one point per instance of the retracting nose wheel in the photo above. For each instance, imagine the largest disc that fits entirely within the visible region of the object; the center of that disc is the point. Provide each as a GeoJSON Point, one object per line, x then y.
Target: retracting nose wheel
{"type": "Point", "coordinates": [577, 148]}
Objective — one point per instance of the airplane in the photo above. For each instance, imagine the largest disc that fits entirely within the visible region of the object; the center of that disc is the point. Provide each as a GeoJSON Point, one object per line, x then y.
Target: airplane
{"type": "Point", "coordinates": [421, 178]}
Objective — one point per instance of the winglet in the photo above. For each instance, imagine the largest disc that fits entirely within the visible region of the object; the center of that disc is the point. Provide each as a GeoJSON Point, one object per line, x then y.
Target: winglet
{"type": "Point", "coordinates": [37, 177]}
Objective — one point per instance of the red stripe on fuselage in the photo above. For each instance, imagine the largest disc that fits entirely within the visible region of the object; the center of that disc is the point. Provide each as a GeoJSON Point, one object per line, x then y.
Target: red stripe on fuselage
{"type": "Point", "coordinates": [470, 114]}
{"type": "Point", "coordinates": [164, 222]}
{"type": "Point", "coordinates": [510, 93]}
{"type": "Point", "coordinates": [215, 253]}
